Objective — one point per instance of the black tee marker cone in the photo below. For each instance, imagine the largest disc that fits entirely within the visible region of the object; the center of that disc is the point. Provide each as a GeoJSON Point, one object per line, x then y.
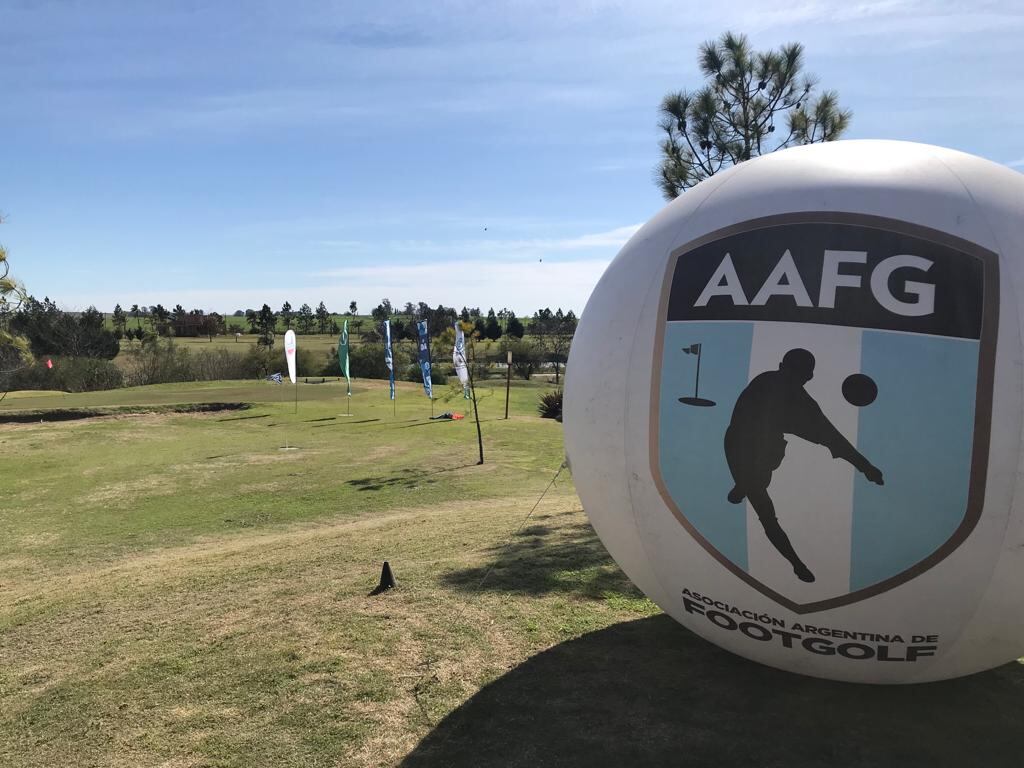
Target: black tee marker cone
{"type": "Point", "coordinates": [387, 580]}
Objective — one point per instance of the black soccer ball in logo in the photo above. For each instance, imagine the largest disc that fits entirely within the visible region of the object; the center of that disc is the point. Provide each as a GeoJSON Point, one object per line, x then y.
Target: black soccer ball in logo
{"type": "Point", "coordinates": [859, 389]}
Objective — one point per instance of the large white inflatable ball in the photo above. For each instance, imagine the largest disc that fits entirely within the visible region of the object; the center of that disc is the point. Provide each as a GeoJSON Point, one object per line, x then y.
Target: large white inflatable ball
{"type": "Point", "coordinates": [793, 411]}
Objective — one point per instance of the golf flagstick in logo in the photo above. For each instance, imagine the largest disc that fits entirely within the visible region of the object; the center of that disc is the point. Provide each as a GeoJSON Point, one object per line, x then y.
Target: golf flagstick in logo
{"type": "Point", "coordinates": [289, 353]}
{"type": "Point", "coordinates": [696, 349]}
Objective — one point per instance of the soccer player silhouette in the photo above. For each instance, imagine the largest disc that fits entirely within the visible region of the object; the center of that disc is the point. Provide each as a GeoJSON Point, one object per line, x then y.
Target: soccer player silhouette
{"type": "Point", "coordinates": [775, 403]}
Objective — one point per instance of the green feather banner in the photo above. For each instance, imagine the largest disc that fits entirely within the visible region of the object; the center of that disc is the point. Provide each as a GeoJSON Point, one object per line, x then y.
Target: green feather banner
{"type": "Point", "coordinates": [343, 357]}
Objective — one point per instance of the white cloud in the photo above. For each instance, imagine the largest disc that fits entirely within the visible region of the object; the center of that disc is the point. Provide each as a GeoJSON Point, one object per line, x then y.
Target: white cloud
{"type": "Point", "coordinates": [522, 248]}
{"type": "Point", "coordinates": [523, 275]}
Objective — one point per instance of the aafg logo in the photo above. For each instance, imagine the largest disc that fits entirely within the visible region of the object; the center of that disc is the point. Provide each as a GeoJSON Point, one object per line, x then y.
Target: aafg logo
{"type": "Point", "coordinates": [820, 419]}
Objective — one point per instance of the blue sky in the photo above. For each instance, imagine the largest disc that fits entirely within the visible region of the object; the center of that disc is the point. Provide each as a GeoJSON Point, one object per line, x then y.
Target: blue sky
{"type": "Point", "coordinates": [486, 154]}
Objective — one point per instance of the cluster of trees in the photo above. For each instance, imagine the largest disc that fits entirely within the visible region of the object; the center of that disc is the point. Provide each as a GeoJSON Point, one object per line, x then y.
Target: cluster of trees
{"type": "Point", "coordinates": [52, 331]}
{"type": "Point", "coordinates": [265, 322]}
{"type": "Point", "coordinates": [543, 340]}
{"type": "Point", "coordinates": [491, 326]}
{"type": "Point", "coordinates": [79, 346]}
{"type": "Point", "coordinates": [164, 322]}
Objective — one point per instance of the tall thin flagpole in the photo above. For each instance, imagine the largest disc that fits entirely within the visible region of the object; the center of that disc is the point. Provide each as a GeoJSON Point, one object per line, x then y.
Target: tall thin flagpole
{"type": "Point", "coordinates": [476, 413]}
{"type": "Point", "coordinates": [430, 361]}
{"type": "Point", "coordinates": [508, 380]}
{"type": "Point", "coordinates": [696, 385]}
{"type": "Point", "coordinates": [286, 431]}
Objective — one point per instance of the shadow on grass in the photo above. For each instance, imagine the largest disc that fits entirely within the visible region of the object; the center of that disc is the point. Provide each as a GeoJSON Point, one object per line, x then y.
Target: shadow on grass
{"type": "Point", "coordinates": [406, 478]}
{"type": "Point", "coordinates": [543, 558]}
{"type": "Point", "coordinates": [341, 423]}
{"type": "Point", "coordinates": [650, 693]}
{"type": "Point", "coordinates": [244, 418]}
{"type": "Point", "coordinates": [427, 423]}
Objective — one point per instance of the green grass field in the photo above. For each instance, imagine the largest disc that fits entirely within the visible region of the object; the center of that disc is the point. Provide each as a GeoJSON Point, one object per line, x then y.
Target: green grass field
{"type": "Point", "coordinates": [179, 589]}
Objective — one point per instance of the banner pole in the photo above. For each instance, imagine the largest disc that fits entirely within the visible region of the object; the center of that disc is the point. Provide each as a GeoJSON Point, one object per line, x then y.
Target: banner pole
{"type": "Point", "coordinates": [296, 394]}
{"type": "Point", "coordinates": [286, 431]}
{"type": "Point", "coordinates": [476, 413]}
{"type": "Point", "coordinates": [508, 380]}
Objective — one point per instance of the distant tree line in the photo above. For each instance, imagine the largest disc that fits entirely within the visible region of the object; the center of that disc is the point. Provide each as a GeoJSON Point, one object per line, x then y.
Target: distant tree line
{"type": "Point", "coordinates": [537, 342]}
{"type": "Point", "coordinates": [542, 341]}
{"type": "Point", "coordinates": [162, 322]}
{"type": "Point", "coordinates": [81, 344]}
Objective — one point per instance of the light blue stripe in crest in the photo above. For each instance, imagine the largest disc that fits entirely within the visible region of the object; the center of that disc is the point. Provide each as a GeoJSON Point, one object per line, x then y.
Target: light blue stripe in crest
{"type": "Point", "coordinates": [691, 439]}
{"type": "Point", "coordinates": [919, 432]}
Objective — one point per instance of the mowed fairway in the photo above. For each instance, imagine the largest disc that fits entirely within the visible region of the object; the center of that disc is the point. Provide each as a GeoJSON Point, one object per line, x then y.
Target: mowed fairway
{"type": "Point", "coordinates": [177, 590]}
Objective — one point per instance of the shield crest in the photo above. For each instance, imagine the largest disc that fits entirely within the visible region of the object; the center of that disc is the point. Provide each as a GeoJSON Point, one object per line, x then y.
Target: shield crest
{"type": "Point", "coordinates": [822, 400]}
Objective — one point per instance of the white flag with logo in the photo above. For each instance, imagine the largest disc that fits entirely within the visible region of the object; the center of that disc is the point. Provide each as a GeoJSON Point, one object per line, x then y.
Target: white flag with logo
{"type": "Point", "coordinates": [289, 352]}
{"type": "Point", "coordinates": [459, 358]}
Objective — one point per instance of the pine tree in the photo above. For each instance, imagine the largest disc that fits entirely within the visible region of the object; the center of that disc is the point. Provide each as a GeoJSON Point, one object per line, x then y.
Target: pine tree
{"type": "Point", "coordinates": [734, 117]}
{"type": "Point", "coordinates": [305, 319]}
{"type": "Point", "coordinates": [15, 352]}
{"type": "Point", "coordinates": [515, 327]}
{"type": "Point", "coordinates": [492, 330]}
{"type": "Point", "coordinates": [265, 324]}
{"type": "Point", "coordinates": [323, 318]}
{"type": "Point", "coordinates": [120, 319]}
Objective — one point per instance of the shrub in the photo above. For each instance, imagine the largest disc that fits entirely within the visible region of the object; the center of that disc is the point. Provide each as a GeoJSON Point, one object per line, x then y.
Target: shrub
{"type": "Point", "coordinates": [158, 362]}
{"type": "Point", "coordinates": [550, 405]}
{"type": "Point", "coordinates": [261, 361]}
{"type": "Point", "coordinates": [69, 374]}
{"type": "Point", "coordinates": [365, 361]}
{"type": "Point", "coordinates": [413, 373]}
{"type": "Point", "coordinates": [308, 363]}
{"type": "Point", "coordinates": [525, 357]}
{"type": "Point", "coordinates": [214, 364]}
